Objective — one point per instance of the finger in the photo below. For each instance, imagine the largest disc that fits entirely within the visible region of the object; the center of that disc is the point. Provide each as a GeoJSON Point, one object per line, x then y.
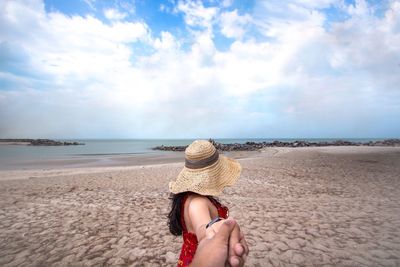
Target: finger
{"type": "Point", "coordinates": [236, 261]}
{"type": "Point", "coordinates": [243, 242]}
{"type": "Point", "coordinates": [225, 231]}
{"type": "Point", "coordinates": [239, 249]}
{"type": "Point", "coordinates": [234, 239]}
{"type": "Point", "coordinates": [210, 234]}
{"type": "Point", "coordinates": [241, 235]}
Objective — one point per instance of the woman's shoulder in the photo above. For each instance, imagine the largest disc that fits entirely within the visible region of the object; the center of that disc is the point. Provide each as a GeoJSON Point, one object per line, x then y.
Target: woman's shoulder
{"type": "Point", "coordinates": [198, 199]}
{"type": "Point", "coordinates": [198, 202]}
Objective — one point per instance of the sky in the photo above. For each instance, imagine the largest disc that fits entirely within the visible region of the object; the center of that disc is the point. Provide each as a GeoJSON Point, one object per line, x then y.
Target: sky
{"type": "Point", "coordinates": [199, 69]}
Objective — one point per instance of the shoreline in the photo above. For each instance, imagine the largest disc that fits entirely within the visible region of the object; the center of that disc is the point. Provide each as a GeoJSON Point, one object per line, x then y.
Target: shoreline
{"type": "Point", "coordinates": [93, 161]}
{"type": "Point", "coordinates": [14, 143]}
{"type": "Point", "coordinates": [68, 166]}
{"type": "Point", "coordinates": [81, 165]}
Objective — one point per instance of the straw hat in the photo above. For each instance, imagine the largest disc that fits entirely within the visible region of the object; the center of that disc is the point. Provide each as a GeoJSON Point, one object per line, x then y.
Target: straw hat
{"type": "Point", "coordinates": [205, 172]}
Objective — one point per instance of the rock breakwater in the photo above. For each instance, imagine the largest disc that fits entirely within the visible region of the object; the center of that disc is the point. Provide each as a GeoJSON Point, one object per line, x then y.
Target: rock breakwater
{"type": "Point", "coordinates": [252, 146]}
{"type": "Point", "coordinates": [39, 142]}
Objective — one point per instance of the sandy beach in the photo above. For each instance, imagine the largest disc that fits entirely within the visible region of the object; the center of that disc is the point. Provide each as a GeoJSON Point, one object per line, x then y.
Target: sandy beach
{"type": "Point", "coordinates": [327, 206]}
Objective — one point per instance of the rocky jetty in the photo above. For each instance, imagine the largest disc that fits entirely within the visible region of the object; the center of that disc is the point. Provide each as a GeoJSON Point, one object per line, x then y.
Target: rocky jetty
{"type": "Point", "coordinates": [252, 146]}
{"type": "Point", "coordinates": [40, 142]}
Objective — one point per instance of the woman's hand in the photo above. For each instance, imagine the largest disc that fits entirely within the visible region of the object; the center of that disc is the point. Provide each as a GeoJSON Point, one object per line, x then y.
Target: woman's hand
{"type": "Point", "coordinates": [214, 228]}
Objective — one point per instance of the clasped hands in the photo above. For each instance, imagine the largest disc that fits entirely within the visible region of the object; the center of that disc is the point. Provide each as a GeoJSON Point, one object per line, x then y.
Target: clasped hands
{"type": "Point", "coordinates": [224, 245]}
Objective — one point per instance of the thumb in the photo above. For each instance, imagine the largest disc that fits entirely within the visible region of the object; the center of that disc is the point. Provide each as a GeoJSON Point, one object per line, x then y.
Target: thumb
{"type": "Point", "coordinates": [225, 231]}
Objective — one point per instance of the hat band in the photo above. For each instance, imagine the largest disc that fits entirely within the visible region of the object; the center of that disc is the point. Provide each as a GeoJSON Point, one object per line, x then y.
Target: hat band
{"type": "Point", "coordinates": [198, 164]}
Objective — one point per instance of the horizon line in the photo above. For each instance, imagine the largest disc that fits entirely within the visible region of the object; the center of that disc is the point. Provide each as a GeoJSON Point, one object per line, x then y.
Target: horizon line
{"type": "Point", "coordinates": [192, 138]}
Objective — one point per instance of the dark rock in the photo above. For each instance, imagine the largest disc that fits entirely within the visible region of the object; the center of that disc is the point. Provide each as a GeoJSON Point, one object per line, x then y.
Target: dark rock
{"type": "Point", "coordinates": [252, 146]}
{"type": "Point", "coordinates": [42, 142]}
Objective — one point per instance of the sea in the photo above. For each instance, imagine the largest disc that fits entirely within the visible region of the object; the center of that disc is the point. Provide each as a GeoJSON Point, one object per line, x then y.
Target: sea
{"type": "Point", "coordinates": [19, 155]}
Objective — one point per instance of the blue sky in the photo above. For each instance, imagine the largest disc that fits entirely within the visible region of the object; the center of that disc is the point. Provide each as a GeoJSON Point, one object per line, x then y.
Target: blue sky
{"type": "Point", "coordinates": [189, 69]}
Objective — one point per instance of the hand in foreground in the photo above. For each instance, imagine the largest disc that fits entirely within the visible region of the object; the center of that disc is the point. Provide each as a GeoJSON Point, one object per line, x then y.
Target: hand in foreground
{"type": "Point", "coordinates": [213, 250]}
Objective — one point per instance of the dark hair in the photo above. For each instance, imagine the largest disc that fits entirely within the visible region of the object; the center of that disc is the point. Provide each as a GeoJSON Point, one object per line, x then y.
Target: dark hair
{"type": "Point", "coordinates": [174, 216]}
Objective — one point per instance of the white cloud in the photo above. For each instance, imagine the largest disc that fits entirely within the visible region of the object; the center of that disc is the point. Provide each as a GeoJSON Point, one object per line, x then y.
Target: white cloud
{"type": "Point", "coordinates": [341, 74]}
{"type": "Point", "coordinates": [361, 8]}
{"type": "Point", "coordinates": [62, 45]}
{"type": "Point", "coordinates": [114, 14]}
{"type": "Point", "coordinates": [79, 77]}
{"type": "Point", "coordinates": [196, 14]}
{"type": "Point", "coordinates": [126, 6]}
{"type": "Point", "coordinates": [233, 25]}
{"type": "Point", "coordinates": [166, 42]}
{"type": "Point", "coordinates": [163, 8]}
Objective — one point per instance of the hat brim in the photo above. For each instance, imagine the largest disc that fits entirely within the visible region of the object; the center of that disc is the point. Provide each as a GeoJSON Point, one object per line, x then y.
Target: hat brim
{"type": "Point", "coordinates": [210, 180]}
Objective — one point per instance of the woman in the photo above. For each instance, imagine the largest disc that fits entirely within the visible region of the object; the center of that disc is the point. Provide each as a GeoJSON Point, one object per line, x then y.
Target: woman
{"type": "Point", "coordinates": [195, 212]}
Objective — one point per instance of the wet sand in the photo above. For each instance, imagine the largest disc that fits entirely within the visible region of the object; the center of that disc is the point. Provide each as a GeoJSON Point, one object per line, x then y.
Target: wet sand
{"type": "Point", "coordinates": [333, 206]}
{"type": "Point", "coordinates": [89, 161]}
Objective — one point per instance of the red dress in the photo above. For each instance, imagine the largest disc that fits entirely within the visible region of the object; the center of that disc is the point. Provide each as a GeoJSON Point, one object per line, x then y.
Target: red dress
{"type": "Point", "coordinates": [190, 239]}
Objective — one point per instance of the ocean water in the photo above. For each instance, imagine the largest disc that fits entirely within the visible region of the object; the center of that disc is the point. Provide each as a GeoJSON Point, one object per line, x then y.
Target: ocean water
{"type": "Point", "coordinates": [20, 154]}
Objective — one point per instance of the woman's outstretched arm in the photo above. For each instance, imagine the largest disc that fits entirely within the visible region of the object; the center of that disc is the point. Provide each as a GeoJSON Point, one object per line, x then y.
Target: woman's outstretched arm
{"type": "Point", "coordinates": [199, 215]}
